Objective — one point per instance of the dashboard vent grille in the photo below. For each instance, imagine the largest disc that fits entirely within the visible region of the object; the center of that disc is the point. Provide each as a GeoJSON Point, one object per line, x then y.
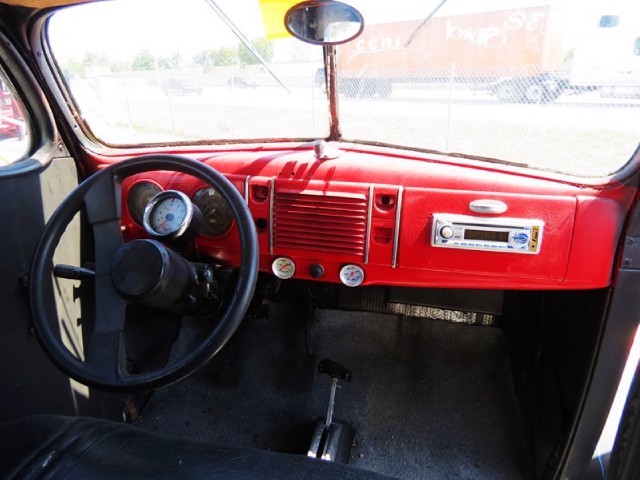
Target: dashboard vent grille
{"type": "Point", "coordinates": [320, 222]}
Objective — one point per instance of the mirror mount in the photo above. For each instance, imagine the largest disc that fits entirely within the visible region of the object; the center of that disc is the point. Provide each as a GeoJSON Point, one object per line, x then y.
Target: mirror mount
{"type": "Point", "coordinates": [330, 68]}
{"type": "Point", "coordinates": [324, 22]}
{"type": "Point", "coordinates": [327, 23]}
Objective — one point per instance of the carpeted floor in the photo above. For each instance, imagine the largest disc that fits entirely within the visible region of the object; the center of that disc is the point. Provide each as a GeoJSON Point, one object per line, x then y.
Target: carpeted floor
{"type": "Point", "coordinates": [428, 399]}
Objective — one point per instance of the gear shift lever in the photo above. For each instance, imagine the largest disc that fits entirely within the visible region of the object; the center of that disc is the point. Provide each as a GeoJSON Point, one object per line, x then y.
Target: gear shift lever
{"type": "Point", "coordinates": [332, 440]}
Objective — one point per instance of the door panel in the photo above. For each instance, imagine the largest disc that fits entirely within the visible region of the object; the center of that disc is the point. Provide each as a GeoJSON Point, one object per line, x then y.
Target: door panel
{"type": "Point", "coordinates": [30, 381]}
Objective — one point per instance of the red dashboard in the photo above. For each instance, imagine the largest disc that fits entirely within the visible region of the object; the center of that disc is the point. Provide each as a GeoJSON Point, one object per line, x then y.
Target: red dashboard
{"type": "Point", "coordinates": [384, 213]}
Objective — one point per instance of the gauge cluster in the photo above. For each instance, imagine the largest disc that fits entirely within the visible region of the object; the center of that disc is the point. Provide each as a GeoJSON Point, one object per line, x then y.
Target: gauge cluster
{"type": "Point", "coordinates": [173, 215]}
{"type": "Point", "coordinates": [176, 210]}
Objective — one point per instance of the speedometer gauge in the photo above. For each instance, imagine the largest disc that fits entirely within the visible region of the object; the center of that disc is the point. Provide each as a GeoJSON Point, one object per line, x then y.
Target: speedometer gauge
{"type": "Point", "coordinates": [171, 215]}
{"type": "Point", "coordinates": [216, 212]}
{"type": "Point", "coordinates": [139, 196]}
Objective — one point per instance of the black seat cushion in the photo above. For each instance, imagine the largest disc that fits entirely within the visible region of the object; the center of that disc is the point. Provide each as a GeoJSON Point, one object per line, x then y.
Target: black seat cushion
{"type": "Point", "coordinates": [50, 446]}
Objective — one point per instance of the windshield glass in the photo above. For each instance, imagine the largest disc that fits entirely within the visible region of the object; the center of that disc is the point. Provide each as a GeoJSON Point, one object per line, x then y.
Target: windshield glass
{"type": "Point", "coordinates": [550, 85]}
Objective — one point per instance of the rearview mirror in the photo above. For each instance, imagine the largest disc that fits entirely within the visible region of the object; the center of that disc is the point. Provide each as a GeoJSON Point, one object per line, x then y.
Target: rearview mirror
{"type": "Point", "coordinates": [324, 22]}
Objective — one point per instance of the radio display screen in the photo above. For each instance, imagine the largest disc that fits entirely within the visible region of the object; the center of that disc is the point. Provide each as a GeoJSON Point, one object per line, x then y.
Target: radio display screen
{"type": "Point", "coordinates": [487, 235]}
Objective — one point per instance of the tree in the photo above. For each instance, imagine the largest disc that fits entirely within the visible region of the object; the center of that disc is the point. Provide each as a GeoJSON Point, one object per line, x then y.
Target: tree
{"type": "Point", "coordinates": [120, 66]}
{"type": "Point", "coordinates": [77, 68]}
{"type": "Point", "coordinates": [173, 61]}
{"type": "Point", "coordinates": [163, 63]}
{"type": "Point", "coordinates": [203, 60]}
{"type": "Point", "coordinates": [224, 57]}
{"type": "Point", "coordinates": [73, 68]}
{"type": "Point", "coordinates": [263, 46]}
{"type": "Point", "coordinates": [95, 59]}
{"type": "Point", "coordinates": [219, 57]}
{"type": "Point", "coordinates": [176, 59]}
{"type": "Point", "coordinates": [143, 60]}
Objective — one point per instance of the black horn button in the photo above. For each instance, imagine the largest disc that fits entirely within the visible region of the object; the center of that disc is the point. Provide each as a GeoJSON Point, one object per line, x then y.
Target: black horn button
{"type": "Point", "coordinates": [146, 271]}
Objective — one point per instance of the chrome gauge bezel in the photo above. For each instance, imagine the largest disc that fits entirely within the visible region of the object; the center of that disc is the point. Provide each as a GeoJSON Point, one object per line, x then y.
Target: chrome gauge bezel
{"type": "Point", "coordinates": [184, 224]}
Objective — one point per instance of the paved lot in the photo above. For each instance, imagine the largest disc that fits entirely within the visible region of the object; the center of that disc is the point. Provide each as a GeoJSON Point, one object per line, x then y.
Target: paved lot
{"type": "Point", "coordinates": [581, 134]}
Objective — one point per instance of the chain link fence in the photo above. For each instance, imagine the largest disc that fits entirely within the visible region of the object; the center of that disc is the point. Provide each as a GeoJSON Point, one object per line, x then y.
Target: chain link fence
{"type": "Point", "coordinates": [543, 120]}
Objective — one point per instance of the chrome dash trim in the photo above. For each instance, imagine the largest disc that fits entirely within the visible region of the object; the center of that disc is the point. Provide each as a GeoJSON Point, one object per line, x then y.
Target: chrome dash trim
{"type": "Point", "coordinates": [396, 234]}
{"type": "Point", "coordinates": [272, 194]}
{"type": "Point", "coordinates": [246, 189]}
{"type": "Point", "coordinates": [368, 229]}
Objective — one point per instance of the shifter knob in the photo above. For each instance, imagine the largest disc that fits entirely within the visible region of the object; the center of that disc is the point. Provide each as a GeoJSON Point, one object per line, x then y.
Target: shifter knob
{"type": "Point", "coordinates": [334, 370]}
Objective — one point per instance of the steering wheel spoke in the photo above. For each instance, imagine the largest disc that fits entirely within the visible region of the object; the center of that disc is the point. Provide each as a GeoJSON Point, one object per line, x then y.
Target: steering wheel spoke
{"type": "Point", "coordinates": [103, 200]}
{"type": "Point", "coordinates": [109, 242]}
{"type": "Point", "coordinates": [105, 353]}
{"type": "Point", "coordinates": [102, 204]}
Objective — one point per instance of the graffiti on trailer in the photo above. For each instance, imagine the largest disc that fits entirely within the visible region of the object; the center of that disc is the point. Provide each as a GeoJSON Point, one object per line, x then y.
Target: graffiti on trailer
{"type": "Point", "coordinates": [379, 43]}
{"type": "Point", "coordinates": [491, 36]}
{"type": "Point", "coordinates": [495, 36]}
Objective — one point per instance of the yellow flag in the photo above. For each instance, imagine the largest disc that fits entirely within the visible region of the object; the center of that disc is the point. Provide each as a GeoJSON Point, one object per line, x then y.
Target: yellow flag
{"type": "Point", "coordinates": [273, 12]}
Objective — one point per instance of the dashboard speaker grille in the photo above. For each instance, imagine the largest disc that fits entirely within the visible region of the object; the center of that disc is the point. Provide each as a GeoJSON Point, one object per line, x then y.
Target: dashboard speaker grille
{"type": "Point", "coordinates": [335, 223]}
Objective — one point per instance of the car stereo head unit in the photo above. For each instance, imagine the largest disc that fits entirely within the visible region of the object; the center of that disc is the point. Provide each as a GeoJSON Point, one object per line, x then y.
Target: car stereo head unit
{"type": "Point", "coordinates": [511, 235]}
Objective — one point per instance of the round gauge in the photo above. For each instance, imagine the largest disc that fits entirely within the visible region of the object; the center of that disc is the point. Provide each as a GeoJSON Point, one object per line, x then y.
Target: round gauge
{"type": "Point", "coordinates": [168, 214]}
{"type": "Point", "coordinates": [216, 212]}
{"type": "Point", "coordinates": [351, 275]}
{"type": "Point", "coordinates": [139, 196]}
{"type": "Point", "coordinates": [283, 267]}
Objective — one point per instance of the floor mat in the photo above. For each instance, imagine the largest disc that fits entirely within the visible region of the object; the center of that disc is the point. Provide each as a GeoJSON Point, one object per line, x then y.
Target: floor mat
{"type": "Point", "coordinates": [428, 399]}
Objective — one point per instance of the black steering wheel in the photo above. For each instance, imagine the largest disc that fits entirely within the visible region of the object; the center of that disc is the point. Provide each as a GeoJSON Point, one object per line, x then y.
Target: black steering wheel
{"type": "Point", "coordinates": [104, 362]}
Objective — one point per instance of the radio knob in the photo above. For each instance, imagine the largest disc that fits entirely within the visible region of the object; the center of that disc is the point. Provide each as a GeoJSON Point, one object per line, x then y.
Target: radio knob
{"type": "Point", "coordinates": [446, 231]}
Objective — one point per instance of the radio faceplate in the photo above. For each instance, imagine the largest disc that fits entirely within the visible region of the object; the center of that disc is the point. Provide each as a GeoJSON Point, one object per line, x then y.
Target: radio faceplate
{"type": "Point", "coordinates": [509, 235]}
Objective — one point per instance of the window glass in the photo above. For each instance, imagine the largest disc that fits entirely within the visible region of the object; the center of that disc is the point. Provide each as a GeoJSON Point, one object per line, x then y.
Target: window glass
{"type": "Point", "coordinates": [535, 84]}
{"type": "Point", "coordinates": [13, 126]}
{"type": "Point", "coordinates": [152, 71]}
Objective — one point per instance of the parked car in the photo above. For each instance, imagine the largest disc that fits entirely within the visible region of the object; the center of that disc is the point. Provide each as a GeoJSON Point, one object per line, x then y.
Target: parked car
{"type": "Point", "coordinates": [180, 86]}
{"type": "Point", "coordinates": [241, 81]}
{"type": "Point", "coordinates": [422, 282]}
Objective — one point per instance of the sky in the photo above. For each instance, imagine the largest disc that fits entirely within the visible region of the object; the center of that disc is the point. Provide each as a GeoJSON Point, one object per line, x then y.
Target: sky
{"type": "Point", "coordinates": [193, 22]}
{"type": "Point", "coordinates": [194, 25]}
